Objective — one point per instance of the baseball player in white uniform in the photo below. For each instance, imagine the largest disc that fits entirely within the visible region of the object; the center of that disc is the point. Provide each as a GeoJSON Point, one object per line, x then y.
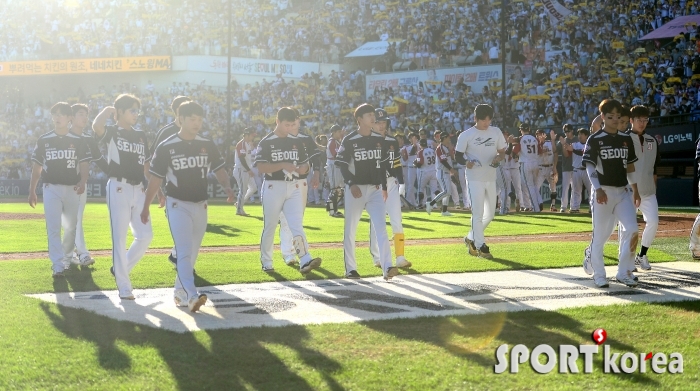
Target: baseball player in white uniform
{"type": "Point", "coordinates": [390, 158]}
{"type": "Point", "coordinates": [580, 181]}
{"type": "Point", "coordinates": [427, 172]}
{"type": "Point", "coordinates": [410, 151]}
{"type": "Point", "coordinates": [445, 170]}
{"type": "Point", "coordinates": [528, 153]}
{"type": "Point", "coordinates": [462, 177]}
{"type": "Point", "coordinates": [548, 168]}
{"type": "Point", "coordinates": [511, 176]}
{"type": "Point", "coordinates": [481, 148]}
{"type": "Point", "coordinates": [647, 150]}
{"type": "Point", "coordinates": [61, 159]}
{"type": "Point", "coordinates": [365, 175]}
{"type": "Point", "coordinates": [282, 159]}
{"type": "Point", "coordinates": [335, 178]}
{"type": "Point", "coordinates": [609, 157]}
{"type": "Point", "coordinates": [127, 151]}
{"type": "Point", "coordinates": [242, 172]}
{"type": "Point", "coordinates": [78, 127]}
{"type": "Point", "coordinates": [184, 161]}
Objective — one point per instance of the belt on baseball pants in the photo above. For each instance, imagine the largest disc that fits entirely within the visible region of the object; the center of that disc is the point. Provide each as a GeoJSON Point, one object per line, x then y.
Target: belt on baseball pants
{"type": "Point", "coordinates": [127, 181]}
{"type": "Point", "coordinates": [580, 169]}
{"type": "Point", "coordinates": [545, 165]}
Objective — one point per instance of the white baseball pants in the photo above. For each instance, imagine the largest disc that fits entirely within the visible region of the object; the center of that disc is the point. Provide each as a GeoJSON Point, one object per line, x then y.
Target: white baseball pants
{"type": "Point", "coordinates": [61, 211]}
{"type": "Point", "coordinates": [188, 223]}
{"type": "Point", "coordinates": [125, 203]}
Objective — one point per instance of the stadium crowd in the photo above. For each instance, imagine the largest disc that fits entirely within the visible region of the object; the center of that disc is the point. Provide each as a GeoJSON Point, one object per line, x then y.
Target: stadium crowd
{"type": "Point", "coordinates": [565, 69]}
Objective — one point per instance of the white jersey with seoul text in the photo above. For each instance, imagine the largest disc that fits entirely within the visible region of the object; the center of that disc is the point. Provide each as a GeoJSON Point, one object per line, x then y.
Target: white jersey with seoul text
{"type": "Point", "coordinates": [529, 149]}
{"type": "Point", "coordinates": [482, 146]}
{"type": "Point", "coordinates": [546, 154]}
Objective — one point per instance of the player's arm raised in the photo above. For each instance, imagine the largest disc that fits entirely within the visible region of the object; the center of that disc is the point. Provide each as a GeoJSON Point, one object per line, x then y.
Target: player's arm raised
{"type": "Point", "coordinates": [99, 124]}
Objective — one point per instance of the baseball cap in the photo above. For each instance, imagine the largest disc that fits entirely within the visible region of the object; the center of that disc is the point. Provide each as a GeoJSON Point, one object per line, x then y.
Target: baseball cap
{"type": "Point", "coordinates": [525, 126]}
{"type": "Point", "coordinates": [248, 130]}
{"type": "Point", "coordinates": [381, 115]}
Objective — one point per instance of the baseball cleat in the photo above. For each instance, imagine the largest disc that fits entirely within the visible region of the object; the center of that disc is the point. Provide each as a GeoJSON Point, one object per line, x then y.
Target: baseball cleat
{"type": "Point", "coordinates": [401, 262]}
{"type": "Point", "coordinates": [268, 269]}
{"type": "Point", "coordinates": [391, 273]}
{"type": "Point", "coordinates": [574, 211]}
{"type": "Point", "coordinates": [446, 214]}
{"type": "Point", "coordinates": [352, 274]}
{"type": "Point", "coordinates": [467, 209]}
{"type": "Point", "coordinates": [127, 297]}
{"type": "Point", "coordinates": [172, 260]}
{"type": "Point", "coordinates": [484, 252]}
{"type": "Point", "coordinates": [244, 214]}
{"type": "Point", "coordinates": [180, 298]}
{"type": "Point", "coordinates": [290, 260]}
{"type": "Point", "coordinates": [696, 255]}
{"type": "Point", "coordinates": [197, 302]}
{"type": "Point", "coordinates": [311, 265]}
{"type": "Point", "coordinates": [553, 208]}
{"type": "Point", "coordinates": [458, 207]}
{"type": "Point", "coordinates": [627, 280]}
{"type": "Point", "coordinates": [377, 264]}
{"type": "Point", "coordinates": [428, 208]}
{"type": "Point", "coordinates": [473, 251]}
{"type": "Point", "coordinates": [587, 264]}
{"type": "Point", "coordinates": [66, 265]}
{"type": "Point", "coordinates": [337, 214]}
{"type": "Point", "coordinates": [57, 274]}
{"type": "Point", "coordinates": [601, 282]}
{"type": "Point", "coordinates": [75, 259]}
{"type": "Point", "coordinates": [562, 210]}
{"type": "Point", "coordinates": [111, 270]}
{"type": "Point", "coordinates": [642, 262]}
{"type": "Point", "coordinates": [86, 260]}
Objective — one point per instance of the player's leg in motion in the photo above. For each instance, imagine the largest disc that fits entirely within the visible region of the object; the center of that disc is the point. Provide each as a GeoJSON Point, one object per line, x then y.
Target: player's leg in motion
{"type": "Point", "coordinates": [603, 224]}
{"type": "Point", "coordinates": [540, 177]}
{"type": "Point", "coordinates": [650, 210]}
{"type": "Point", "coordinates": [84, 258]}
{"type": "Point", "coordinates": [454, 193]}
{"type": "Point", "coordinates": [433, 185]}
{"type": "Point", "coordinates": [529, 196]}
{"type": "Point", "coordinates": [423, 180]}
{"type": "Point", "coordinates": [353, 212]}
{"type": "Point", "coordinates": [188, 223]}
{"type": "Point", "coordinates": [483, 196]}
{"type": "Point", "coordinates": [289, 252]}
{"type": "Point", "coordinates": [517, 181]}
{"type": "Point", "coordinates": [293, 209]}
{"type": "Point", "coordinates": [625, 213]}
{"type": "Point", "coordinates": [335, 178]}
{"type": "Point", "coordinates": [501, 190]}
{"type": "Point", "coordinates": [552, 190]}
{"type": "Point", "coordinates": [56, 211]}
{"type": "Point", "coordinates": [576, 189]}
{"type": "Point", "coordinates": [462, 175]}
{"type": "Point", "coordinates": [444, 181]}
{"type": "Point", "coordinates": [243, 180]}
{"type": "Point", "coordinates": [393, 209]}
{"type": "Point", "coordinates": [411, 186]}
{"type": "Point", "coordinates": [505, 195]}
{"type": "Point", "coordinates": [566, 182]}
{"type": "Point", "coordinates": [376, 209]}
{"type": "Point", "coordinates": [69, 222]}
{"type": "Point", "coordinates": [274, 195]}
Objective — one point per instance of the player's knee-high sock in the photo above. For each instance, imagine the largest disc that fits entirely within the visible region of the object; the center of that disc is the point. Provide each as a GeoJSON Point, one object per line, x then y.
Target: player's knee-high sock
{"type": "Point", "coordinates": [398, 244]}
{"type": "Point", "coordinates": [553, 197]}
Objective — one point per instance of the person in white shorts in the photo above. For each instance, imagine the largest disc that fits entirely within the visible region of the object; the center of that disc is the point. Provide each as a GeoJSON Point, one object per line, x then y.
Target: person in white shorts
{"type": "Point", "coordinates": [427, 172]}
{"type": "Point", "coordinates": [548, 168]}
{"type": "Point", "coordinates": [529, 156]}
{"type": "Point", "coordinates": [580, 182]}
{"type": "Point", "coordinates": [481, 149]}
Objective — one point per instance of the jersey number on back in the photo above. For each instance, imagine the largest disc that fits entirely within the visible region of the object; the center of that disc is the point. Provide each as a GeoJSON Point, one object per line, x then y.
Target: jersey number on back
{"type": "Point", "coordinates": [530, 149]}
{"type": "Point", "coordinates": [71, 163]}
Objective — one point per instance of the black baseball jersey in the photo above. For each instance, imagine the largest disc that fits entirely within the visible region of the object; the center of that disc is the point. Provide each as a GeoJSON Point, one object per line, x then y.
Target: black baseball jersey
{"type": "Point", "coordinates": [360, 159]}
{"type": "Point", "coordinates": [185, 164]}
{"type": "Point", "coordinates": [163, 134]}
{"type": "Point", "coordinates": [392, 158]}
{"type": "Point", "coordinates": [88, 137]}
{"type": "Point", "coordinates": [610, 154]}
{"type": "Point", "coordinates": [60, 157]}
{"type": "Point", "coordinates": [275, 149]}
{"type": "Point", "coordinates": [127, 151]}
{"type": "Point", "coordinates": [312, 152]}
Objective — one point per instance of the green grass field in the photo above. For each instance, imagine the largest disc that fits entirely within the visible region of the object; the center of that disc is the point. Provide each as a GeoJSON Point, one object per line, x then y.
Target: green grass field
{"type": "Point", "coordinates": [47, 346]}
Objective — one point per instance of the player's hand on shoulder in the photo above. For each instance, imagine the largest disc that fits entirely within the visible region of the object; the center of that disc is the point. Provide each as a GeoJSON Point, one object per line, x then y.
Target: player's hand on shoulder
{"type": "Point", "coordinates": [355, 191]}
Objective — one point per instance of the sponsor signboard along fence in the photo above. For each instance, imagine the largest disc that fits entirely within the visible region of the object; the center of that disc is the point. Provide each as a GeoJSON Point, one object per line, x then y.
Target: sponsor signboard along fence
{"type": "Point", "coordinates": [251, 66]}
{"type": "Point", "coordinates": [86, 65]}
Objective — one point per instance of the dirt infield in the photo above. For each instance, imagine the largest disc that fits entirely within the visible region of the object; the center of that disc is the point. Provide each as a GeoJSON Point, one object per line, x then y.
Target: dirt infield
{"type": "Point", "coordinates": [669, 226]}
{"type": "Point", "coordinates": [21, 216]}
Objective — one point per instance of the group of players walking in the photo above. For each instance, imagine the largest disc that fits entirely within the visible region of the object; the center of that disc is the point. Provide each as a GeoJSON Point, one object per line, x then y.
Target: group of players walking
{"type": "Point", "coordinates": [368, 169]}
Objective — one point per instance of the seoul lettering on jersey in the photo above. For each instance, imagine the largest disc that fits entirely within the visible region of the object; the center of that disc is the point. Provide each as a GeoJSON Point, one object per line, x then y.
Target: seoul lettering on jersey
{"type": "Point", "coordinates": [613, 153]}
{"type": "Point", "coordinates": [59, 157]}
{"type": "Point", "coordinates": [127, 150]}
{"type": "Point", "coordinates": [68, 154]}
{"type": "Point", "coordinates": [362, 157]}
{"type": "Point", "coordinates": [275, 149]}
{"type": "Point", "coordinates": [183, 163]}
{"type": "Point", "coordinates": [610, 154]}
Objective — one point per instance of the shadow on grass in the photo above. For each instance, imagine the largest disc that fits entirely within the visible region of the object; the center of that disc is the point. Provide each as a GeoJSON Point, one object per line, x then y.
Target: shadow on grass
{"type": "Point", "coordinates": [225, 230]}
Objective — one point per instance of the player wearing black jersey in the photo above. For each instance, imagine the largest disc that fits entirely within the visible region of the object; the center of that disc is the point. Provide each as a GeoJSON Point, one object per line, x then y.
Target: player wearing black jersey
{"type": "Point", "coordinates": [282, 159]}
{"type": "Point", "coordinates": [609, 157]}
{"type": "Point", "coordinates": [161, 135]}
{"type": "Point", "coordinates": [127, 151]}
{"type": "Point", "coordinates": [184, 161]}
{"type": "Point", "coordinates": [287, 244]}
{"type": "Point", "coordinates": [61, 160]}
{"type": "Point", "coordinates": [360, 160]}
{"type": "Point", "coordinates": [79, 128]}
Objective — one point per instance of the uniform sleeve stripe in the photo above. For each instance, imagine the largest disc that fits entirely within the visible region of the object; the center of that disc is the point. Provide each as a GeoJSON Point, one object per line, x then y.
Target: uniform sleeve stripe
{"type": "Point", "coordinates": [156, 174]}
{"type": "Point", "coordinates": [37, 162]}
{"type": "Point", "coordinates": [219, 167]}
{"type": "Point", "coordinates": [87, 159]}
{"type": "Point", "coordinates": [340, 161]}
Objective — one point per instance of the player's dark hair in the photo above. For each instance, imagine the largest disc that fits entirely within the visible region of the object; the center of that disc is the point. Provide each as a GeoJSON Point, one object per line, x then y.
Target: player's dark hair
{"type": "Point", "coordinates": [413, 134]}
{"type": "Point", "coordinates": [625, 112]}
{"type": "Point", "coordinates": [335, 128]}
{"type": "Point", "coordinates": [483, 111]}
{"type": "Point", "coordinates": [287, 114]}
{"type": "Point", "coordinates": [363, 109]}
{"type": "Point", "coordinates": [609, 105]}
{"type": "Point", "coordinates": [62, 108]}
{"type": "Point", "coordinates": [423, 143]}
{"type": "Point", "coordinates": [179, 100]}
{"type": "Point", "coordinates": [583, 131]}
{"type": "Point", "coordinates": [79, 106]}
{"type": "Point", "coordinates": [125, 102]}
{"type": "Point", "coordinates": [539, 131]}
{"type": "Point", "coordinates": [639, 111]}
{"type": "Point", "coordinates": [400, 136]}
{"type": "Point", "coordinates": [190, 108]}
{"type": "Point", "coordinates": [568, 128]}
